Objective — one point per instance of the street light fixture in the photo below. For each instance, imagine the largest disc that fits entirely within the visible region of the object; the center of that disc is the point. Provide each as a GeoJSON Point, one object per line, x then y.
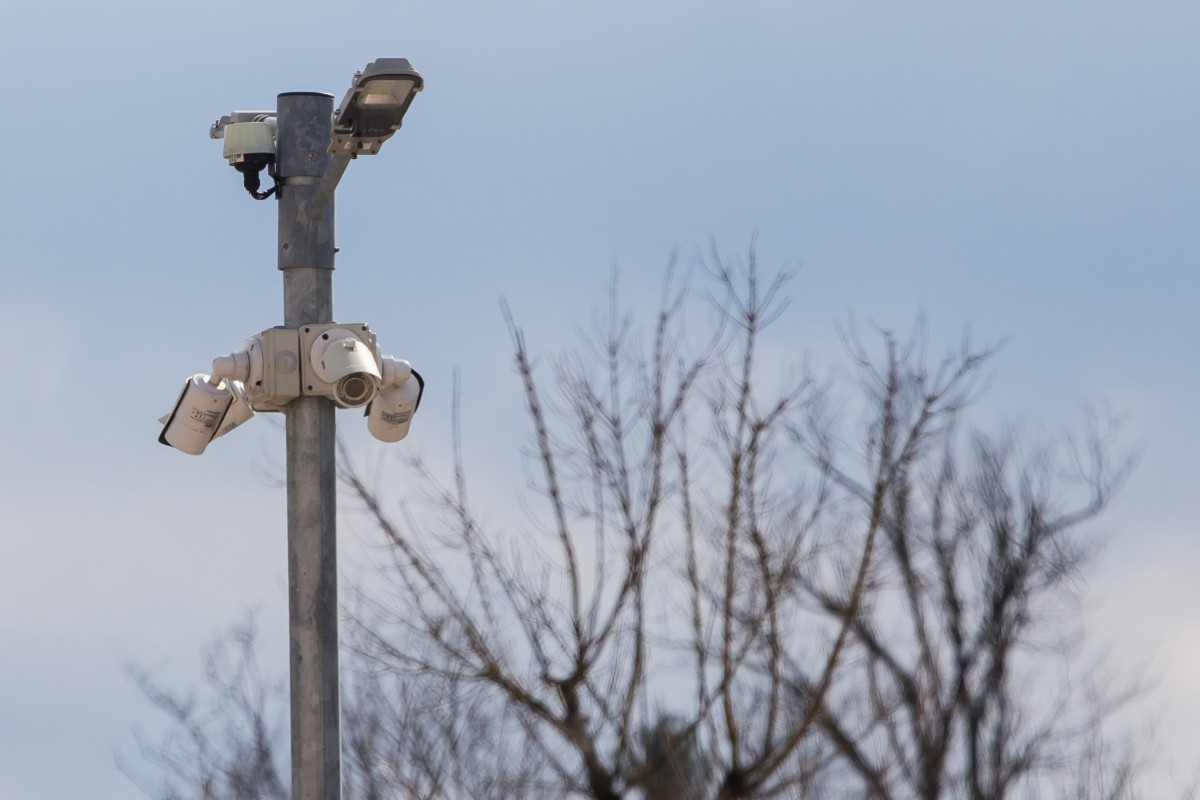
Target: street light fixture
{"type": "Point", "coordinates": [374, 107]}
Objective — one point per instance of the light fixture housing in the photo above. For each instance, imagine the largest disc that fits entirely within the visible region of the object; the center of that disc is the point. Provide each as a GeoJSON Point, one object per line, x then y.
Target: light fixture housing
{"type": "Point", "coordinates": [374, 107]}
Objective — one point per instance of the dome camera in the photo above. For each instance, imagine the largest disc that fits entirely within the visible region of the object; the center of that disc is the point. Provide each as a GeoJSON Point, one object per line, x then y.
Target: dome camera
{"type": "Point", "coordinates": [346, 365]}
{"type": "Point", "coordinates": [249, 147]}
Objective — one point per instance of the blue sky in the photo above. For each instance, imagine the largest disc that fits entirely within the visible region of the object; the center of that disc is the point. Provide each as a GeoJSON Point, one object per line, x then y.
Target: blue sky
{"type": "Point", "coordinates": [1029, 170]}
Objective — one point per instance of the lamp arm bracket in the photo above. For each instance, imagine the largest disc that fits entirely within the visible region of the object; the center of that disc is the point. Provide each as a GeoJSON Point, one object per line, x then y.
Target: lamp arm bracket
{"type": "Point", "coordinates": [315, 207]}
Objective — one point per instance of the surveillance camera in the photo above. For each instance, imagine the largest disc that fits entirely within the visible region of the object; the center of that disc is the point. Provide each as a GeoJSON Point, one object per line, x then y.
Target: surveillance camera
{"type": "Point", "coordinates": [342, 363]}
{"type": "Point", "coordinates": [197, 416]}
{"type": "Point", "coordinates": [249, 147]}
{"type": "Point", "coordinates": [390, 414]}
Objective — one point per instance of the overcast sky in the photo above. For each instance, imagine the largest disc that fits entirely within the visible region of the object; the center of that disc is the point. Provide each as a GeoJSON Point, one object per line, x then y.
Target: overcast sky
{"type": "Point", "coordinates": [1027, 169]}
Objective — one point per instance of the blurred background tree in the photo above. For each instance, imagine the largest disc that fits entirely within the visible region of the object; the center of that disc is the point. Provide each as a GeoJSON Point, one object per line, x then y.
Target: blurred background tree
{"type": "Point", "coordinates": [728, 585]}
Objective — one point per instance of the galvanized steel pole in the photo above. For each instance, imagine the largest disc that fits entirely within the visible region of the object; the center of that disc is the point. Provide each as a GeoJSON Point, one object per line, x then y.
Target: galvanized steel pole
{"type": "Point", "coordinates": [306, 253]}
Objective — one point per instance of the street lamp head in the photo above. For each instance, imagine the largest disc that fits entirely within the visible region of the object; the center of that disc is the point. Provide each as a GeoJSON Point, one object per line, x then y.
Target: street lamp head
{"type": "Point", "coordinates": [374, 107]}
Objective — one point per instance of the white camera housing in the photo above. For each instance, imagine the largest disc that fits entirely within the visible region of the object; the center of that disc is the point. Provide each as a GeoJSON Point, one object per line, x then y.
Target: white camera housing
{"type": "Point", "coordinates": [390, 414]}
{"type": "Point", "coordinates": [198, 415]}
{"type": "Point", "coordinates": [336, 360]}
{"type": "Point", "coordinates": [343, 363]}
{"type": "Point", "coordinates": [252, 142]}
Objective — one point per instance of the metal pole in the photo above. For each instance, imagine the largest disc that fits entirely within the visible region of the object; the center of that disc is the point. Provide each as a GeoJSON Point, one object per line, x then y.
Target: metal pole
{"type": "Point", "coordinates": [306, 248]}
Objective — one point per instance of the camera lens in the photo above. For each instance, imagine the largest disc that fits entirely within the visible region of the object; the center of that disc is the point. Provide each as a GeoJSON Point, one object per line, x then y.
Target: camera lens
{"type": "Point", "coordinates": [354, 390]}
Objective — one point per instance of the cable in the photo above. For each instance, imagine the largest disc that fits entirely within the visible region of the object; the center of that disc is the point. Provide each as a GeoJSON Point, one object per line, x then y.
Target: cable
{"type": "Point", "coordinates": [252, 183]}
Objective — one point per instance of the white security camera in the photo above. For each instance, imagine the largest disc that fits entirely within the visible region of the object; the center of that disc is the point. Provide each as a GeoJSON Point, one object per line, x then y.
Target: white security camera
{"type": "Point", "coordinates": [336, 360]}
{"type": "Point", "coordinates": [249, 146]}
{"type": "Point", "coordinates": [197, 416]}
{"type": "Point", "coordinates": [390, 414]}
{"type": "Point", "coordinates": [208, 408]}
{"type": "Point", "coordinates": [343, 363]}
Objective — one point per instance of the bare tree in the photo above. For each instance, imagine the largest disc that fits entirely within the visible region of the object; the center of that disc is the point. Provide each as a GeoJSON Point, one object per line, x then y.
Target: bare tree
{"type": "Point", "coordinates": [724, 589]}
{"type": "Point", "coordinates": [224, 741]}
{"type": "Point", "coordinates": [417, 737]}
{"type": "Point", "coordinates": [680, 501]}
{"type": "Point", "coordinates": [670, 762]}
{"type": "Point", "coordinates": [411, 737]}
{"type": "Point", "coordinates": [964, 686]}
